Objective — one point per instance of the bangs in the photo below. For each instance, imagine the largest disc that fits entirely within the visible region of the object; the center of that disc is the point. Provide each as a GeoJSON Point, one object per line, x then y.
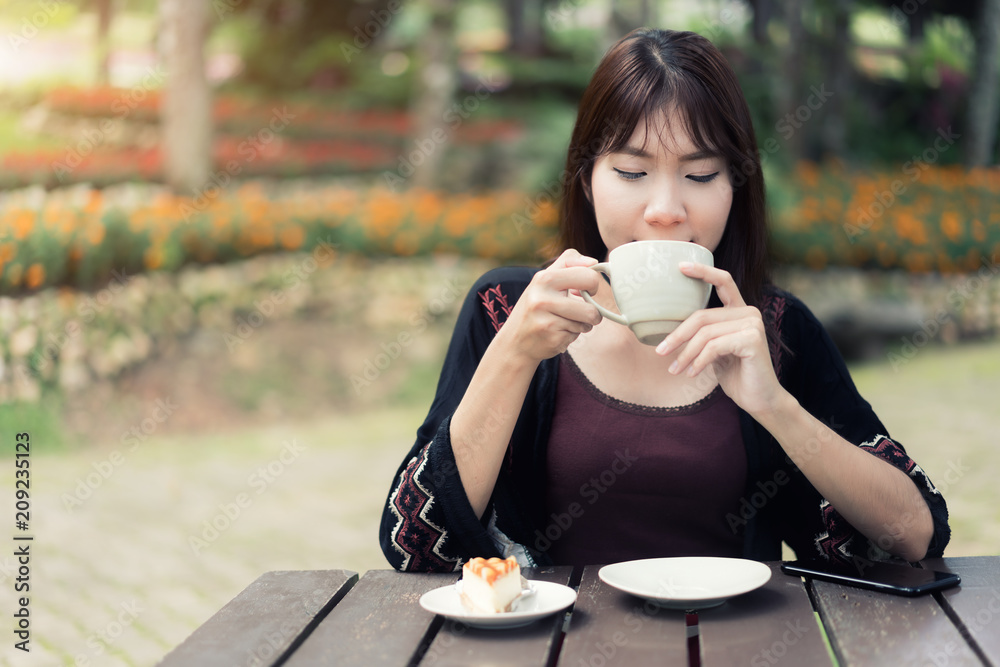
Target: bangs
{"type": "Point", "coordinates": [700, 115]}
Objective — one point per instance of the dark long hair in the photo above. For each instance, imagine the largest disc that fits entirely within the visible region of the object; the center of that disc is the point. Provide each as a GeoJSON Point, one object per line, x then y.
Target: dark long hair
{"type": "Point", "coordinates": [645, 73]}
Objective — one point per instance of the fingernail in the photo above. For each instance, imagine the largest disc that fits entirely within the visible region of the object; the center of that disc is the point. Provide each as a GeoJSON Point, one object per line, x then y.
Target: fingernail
{"type": "Point", "coordinates": [685, 265]}
{"type": "Point", "coordinates": [673, 368]}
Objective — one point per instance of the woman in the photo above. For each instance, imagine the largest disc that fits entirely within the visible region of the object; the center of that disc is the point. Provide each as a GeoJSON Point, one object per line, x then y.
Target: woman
{"type": "Point", "coordinates": [559, 438]}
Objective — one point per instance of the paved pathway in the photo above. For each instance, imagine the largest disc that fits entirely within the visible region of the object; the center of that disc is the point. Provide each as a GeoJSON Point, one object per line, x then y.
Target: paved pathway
{"type": "Point", "coordinates": [118, 580]}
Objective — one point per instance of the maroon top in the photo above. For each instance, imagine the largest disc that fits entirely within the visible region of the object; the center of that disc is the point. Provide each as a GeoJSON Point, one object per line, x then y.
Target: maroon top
{"type": "Point", "coordinates": [627, 481]}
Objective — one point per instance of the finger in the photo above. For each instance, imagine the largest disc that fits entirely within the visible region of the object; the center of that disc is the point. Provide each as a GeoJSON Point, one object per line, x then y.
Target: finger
{"type": "Point", "coordinates": [572, 257]}
{"type": "Point", "coordinates": [576, 311]}
{"type": "Point", "coordinates": [722, 280]}
{"type": "Point", "coordinates": [698, 342]}
{"type": "Point", "coordinates": [573, 277]}
{"type": "Point", "coordinates": [702, 318]}
{"type": "Point", "coordinates": [739, 344]}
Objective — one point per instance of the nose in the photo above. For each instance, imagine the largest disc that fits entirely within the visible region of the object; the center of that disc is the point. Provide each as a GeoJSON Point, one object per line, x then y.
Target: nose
{"type": "Point", "coordinates": [665, 206]}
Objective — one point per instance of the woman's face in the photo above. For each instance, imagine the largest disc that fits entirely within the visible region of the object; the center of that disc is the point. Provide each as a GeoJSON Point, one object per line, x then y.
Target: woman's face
{"type": "Point", "coordinates": [661, 187]}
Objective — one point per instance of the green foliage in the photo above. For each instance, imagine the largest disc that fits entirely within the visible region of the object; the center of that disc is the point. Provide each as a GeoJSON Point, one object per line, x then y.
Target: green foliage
{"type": "Point", "coordinates": [40, 420]}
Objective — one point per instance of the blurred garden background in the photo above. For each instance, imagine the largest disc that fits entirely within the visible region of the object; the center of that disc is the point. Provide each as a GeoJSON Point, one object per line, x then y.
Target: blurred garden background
{"type": "Point", "coordinates": [234, 235]}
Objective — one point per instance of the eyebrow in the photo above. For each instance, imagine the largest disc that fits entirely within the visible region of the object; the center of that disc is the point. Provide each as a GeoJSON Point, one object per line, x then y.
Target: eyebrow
{"type": "Point", "coordinates": [690, 157]}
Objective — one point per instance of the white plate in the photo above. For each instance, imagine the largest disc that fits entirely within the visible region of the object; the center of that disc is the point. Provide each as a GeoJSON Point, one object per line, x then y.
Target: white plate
{"type": "Point", "coordinates": [687, 583]}
{"type": "Point", "coordinates": [547, 599]}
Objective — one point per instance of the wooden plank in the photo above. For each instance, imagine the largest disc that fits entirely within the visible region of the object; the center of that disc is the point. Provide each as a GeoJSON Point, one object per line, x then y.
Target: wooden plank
{"type": "Point", "coordinates": [609, 627]}
{"type": "Point", "coordinates": [265, 621]}
{"type": "Point", "coordinates": [976, 602]}
{"type": "Point", "coordinates": [459, 645]}
{"type": "Point", "coordinates": [379, 622]}
{"type": "Point", "coordinates": [870, 628]}
{"type": "Point", "coordinates": [772, 624]}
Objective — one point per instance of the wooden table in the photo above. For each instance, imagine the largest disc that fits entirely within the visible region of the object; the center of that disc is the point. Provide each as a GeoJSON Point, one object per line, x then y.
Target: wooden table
{"type": "Point", "coordinates": [333, 617]}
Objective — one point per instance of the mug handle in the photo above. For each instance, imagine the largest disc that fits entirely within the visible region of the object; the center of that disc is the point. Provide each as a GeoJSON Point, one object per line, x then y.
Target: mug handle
{"type": "Point", "coordinates": [604, 268]}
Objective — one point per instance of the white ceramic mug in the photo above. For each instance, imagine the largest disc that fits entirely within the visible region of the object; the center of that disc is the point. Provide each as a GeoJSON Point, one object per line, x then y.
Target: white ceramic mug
{"type": "Point", "coordinates": [652, 294]}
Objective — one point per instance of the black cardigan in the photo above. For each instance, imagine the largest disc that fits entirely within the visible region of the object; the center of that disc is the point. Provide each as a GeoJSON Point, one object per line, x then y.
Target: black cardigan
{"type": "Point", "coordinates": [429, 525]}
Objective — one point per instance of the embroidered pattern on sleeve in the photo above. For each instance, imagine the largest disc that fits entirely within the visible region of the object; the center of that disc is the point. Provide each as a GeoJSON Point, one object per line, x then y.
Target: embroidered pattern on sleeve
{"type": "Point", "coordinates": [418, 539]}
{"type": "Point", "coordinates": [837, 541]}
{"type": "Point", "coordinates": [834, 543]}
{"type": "Point", "coordinates": [774, 310]}
{"type": "Point", "coordinates": [495, 303]}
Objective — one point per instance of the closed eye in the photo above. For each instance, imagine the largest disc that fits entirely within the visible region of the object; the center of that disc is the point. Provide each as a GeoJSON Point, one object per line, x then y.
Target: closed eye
{"type": "Point", "coordinates": [703, 179]}
{"type": "Point", "coordinates": [629, 175]}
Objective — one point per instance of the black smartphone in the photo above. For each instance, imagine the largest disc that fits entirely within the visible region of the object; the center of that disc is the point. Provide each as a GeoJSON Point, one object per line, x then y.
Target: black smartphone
{"type": "Point", "coordinates": [895, 578]}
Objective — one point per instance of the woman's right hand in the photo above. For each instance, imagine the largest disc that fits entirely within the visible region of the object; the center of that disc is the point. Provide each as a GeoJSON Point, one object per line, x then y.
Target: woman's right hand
{"type": "Point", "coordinates": [550, 314]}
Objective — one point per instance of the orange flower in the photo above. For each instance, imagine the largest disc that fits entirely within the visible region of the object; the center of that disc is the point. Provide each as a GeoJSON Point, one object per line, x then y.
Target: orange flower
{"type": "Point", "coordinates": [427, 209]}
{"type": "Point", "coordinates": [24, 222]}
{"type": "Point", "coordinates": [951, 226]}
{"type": "Point", "coordinates": [291, 238]}
{"type": "Point", "coordinates": [153, 257]}
{"type": "Point", "coordinates": [34, 276]}
{"type": "Point", "coordinates": [456, 222]}
{"type": "Point", "coordinates": [978, 231]}
{"type": "Point", "coordinates": [93, 204]}
{"type": "Point", "coordinates": [384, 213]}
{"type": "Point", "coordinates": [808, 173]}
{"type": "Point", "coordinates": [95, 233]}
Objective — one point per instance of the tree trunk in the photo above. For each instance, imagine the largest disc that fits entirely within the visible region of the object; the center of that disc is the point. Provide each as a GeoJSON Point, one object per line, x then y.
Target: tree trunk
{"type": "Point", "coordinates": [792, 88]}
{"type": "Point", "coordinates": [833, 133]}
{"type": "Point", "coordinates": [984, 98]}
{"type": "Point", "coordinates": [436, 88]}
{"type": "Point", "coordinates": [761, 19]}
{"type": "Point", "coordinates": [524, 27]}
{"type": "Point", "coordinates": [103, 9]}
{"type": "Point", "coordinates": [186, 112]}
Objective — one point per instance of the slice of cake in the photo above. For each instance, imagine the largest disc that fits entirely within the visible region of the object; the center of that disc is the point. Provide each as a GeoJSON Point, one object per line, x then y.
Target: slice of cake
{"type": "Point", "coordinates": [490, 586]}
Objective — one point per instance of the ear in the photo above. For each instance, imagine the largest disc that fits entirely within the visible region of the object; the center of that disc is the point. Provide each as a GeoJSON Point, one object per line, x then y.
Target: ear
{"type": "Point", "coordinates": [587, 192]}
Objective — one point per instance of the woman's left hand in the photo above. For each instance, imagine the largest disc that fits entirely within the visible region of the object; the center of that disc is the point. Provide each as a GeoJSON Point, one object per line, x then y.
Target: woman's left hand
{"type": "Point", "coordinates": [731, 339]}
